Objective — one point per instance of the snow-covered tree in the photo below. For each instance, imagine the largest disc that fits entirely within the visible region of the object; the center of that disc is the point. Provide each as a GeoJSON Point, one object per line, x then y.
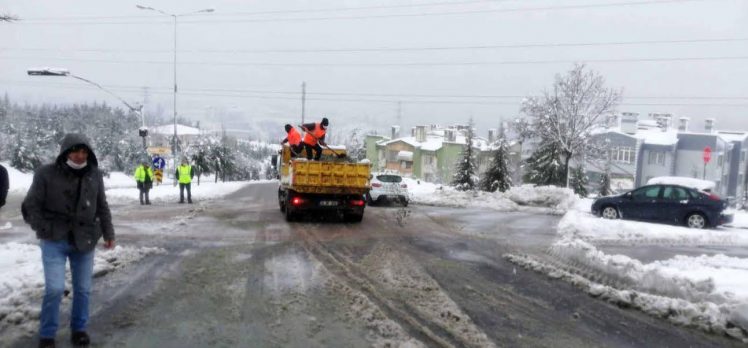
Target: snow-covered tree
{"type": "Point", "coordinates": [25, 155]}
{"type": "Point", "coordinates": [577, 104]}
{"type": "Point", "coordinates": [464, 178]}
{"type": "Point", "coordinates": [200, 155]}
{"type": "Point", "coordinates": [579, 181]}
{"type": "Point", "coordinates": [498, 177]}
{"type": "Point", "coordinates": [544, 166]}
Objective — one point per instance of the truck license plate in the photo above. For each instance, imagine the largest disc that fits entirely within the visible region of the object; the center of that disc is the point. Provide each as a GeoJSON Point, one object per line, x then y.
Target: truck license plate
{"type": "Point", "coordinates": [328, 203]}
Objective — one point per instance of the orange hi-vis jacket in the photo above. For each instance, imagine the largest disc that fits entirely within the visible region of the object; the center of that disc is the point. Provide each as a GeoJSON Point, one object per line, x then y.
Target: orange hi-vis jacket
{"type": "Point", "coordinates": [311, 136]}
{"type": "Point", "coordinates": [294, 138]}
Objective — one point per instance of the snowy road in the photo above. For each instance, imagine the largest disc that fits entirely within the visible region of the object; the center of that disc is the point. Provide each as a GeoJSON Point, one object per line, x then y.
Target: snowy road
{"type": "Point", "coordinates": [236, 274]}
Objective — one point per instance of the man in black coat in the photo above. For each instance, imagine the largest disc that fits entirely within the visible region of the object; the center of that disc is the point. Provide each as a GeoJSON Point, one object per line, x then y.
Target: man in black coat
{"type": "Point", "coordinates": [4, 185]}
{"type": "Point", "coordinates": [67, 208]}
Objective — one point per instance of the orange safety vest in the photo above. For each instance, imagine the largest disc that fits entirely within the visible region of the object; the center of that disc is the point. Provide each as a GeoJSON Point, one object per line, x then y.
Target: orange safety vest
{"type": "Point", "coordinates": [318, 133]}
{"type": "Point", "coordinates": [294, 138]}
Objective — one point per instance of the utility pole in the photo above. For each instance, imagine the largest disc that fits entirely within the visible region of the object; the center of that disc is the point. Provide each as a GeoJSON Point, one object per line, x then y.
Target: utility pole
{"type": "Point", "coordinates": [303, 101]}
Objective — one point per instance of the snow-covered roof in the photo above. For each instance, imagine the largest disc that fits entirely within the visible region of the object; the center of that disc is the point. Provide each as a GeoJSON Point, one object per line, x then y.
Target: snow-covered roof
{"type": "Point", "coordinates": [698, 184]}
{"type": "Point", "coordinates": [733, 136]}
{"type": "Point", "coordinates": [168, 129]}
{"type": "Point", "coordinates": [657, 136]}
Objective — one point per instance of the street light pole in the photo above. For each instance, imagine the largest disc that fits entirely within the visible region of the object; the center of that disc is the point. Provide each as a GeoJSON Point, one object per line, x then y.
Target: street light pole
{"type": "Point", "coordinates": [64, 72]}
{"type": "Point", "coordinates": [174, 16]}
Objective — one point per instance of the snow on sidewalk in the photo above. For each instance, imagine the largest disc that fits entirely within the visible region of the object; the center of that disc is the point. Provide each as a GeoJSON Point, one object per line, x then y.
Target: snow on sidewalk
{"type": "Point", "coordinates": [168, 192]}
{"type": "Point", "coordinates": [22, 281]}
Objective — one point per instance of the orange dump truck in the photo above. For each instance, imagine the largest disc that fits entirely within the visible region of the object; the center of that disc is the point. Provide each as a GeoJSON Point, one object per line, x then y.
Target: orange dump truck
{"type": "Point", "coordinates": [331, 184]}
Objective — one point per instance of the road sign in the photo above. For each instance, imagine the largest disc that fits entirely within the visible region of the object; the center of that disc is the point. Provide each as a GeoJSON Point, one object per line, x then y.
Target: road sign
{"type": "Point", "coordinates": [159, 150]}
{"type": "Point", "coordinates": [707, 154]}
{"type": "Point", "coordinates": [159, 162]}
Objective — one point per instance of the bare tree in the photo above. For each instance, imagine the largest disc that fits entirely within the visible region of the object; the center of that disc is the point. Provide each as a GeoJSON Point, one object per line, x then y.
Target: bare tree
{"type": "Point", "coordinates": [566, 116]}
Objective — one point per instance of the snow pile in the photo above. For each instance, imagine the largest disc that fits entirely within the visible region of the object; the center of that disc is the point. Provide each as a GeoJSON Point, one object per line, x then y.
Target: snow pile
{"type": "Point", "coordinates": [552, 199]}
{"type": "Point", "coordinates": [588, 227]}
{"type": "Point", "coordinates": [556, 198]}
{"type": "Point", "coordinates": [740, 219]}
{"type": "Point", "coordinates": [22, 283]}
{"type": "Point", "coordinates": [707, 316]}
{"type": "Point", "coordinates": [168, 192]}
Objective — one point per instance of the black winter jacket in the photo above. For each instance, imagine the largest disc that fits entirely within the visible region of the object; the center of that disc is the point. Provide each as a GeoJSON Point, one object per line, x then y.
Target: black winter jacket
{"type": "Point", "coordinates": [50, 205]}
{"type": "Point", "coordinates": [4, 185]}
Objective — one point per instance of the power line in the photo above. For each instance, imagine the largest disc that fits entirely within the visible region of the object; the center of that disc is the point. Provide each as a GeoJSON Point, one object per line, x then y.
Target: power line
{"type": "Point", "coordinates": [257, 13]}
{"type": "Point", "coordinates": [401, 15]}
{"type": "Point", "coordinates": [165, 89]}
{"type": "Point", "coordinates": [396, 100]}
{"type": "Point", "coordinates": [403, 64]}
{"type": "Point", "coordinates": [396, 49]}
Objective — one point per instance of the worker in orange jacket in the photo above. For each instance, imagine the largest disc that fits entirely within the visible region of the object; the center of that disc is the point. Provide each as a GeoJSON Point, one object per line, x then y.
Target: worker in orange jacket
{"type": "Point", "coordinates": [314, 137]}
{"type": "Point", "coordinates": [293, 138]}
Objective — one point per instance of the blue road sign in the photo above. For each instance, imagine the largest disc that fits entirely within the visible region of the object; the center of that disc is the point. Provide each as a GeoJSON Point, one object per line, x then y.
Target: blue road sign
{"type": "Point", "coordinates": [158, 162]}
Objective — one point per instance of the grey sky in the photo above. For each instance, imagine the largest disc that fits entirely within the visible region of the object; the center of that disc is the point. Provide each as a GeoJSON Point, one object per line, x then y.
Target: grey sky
{"type": "Point", "coordinates": [213, 52]}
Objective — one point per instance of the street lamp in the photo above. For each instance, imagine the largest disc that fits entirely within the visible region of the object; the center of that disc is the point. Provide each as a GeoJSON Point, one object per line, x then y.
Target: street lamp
{"type": "Point", "coordinates": [143, 131]}
{"type": "Point", "coordinates": [174, 16]}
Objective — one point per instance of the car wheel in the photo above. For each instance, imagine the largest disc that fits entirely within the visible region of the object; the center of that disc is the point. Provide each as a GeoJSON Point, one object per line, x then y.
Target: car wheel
{"type": "Point", "coordinates": [610, 212]}
{"type": "Point", "coordinates": [404, 201]}
{"type": "Point", "coordinates": [696, 220]}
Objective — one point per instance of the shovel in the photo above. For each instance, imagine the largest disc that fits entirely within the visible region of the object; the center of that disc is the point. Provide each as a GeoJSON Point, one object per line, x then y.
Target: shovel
{"type": "Point", "coordinates": [340, 155]}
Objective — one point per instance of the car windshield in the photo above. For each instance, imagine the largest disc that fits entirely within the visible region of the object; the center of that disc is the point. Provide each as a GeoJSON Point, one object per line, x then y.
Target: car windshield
{"type": "Point", "coordinates": [389, 178]}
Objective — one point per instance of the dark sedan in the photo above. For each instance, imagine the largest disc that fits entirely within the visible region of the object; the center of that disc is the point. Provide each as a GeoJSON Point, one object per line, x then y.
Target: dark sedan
{"type": "Point", "coordinates": [667, 204]}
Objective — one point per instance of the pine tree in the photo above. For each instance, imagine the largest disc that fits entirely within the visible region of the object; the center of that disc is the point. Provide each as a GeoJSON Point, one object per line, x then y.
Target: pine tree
{"type": "Point", "coordinates": [579, 181]}
{"type": "Point", "coordinates": [605, 184]}
{"type": "Point", "coordinates": [464, 178]}
{"type": "Point", "coordinates": [497, 177]}
{"type": "Point", "coordinates": [544, 167]}
{"type": "Point", "coordinates": [25, 155]}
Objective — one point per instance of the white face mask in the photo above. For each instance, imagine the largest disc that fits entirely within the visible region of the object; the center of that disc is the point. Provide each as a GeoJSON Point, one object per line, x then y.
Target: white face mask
{"type": "Point", "coordinates": [74, 165]}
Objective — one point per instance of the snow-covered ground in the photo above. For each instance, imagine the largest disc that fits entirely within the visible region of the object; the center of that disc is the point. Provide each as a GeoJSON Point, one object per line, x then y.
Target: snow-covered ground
{"type": "Point", "coordinates": [708, 291]}
{"type": "Point", "coordinates": [548, 199]}
{"type": "Point", "coordinates": [22, 281]}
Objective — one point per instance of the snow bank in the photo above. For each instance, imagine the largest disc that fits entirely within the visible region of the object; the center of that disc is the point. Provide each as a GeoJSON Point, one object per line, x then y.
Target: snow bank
{"type": "Point", "coordinates": [588, 227]}
{"type": "Point", "coordinates": [707, 316]}
{"type": "Point", "coordinates": [167, 192]}
{"type": "Point", "coordinates": [22, 283]}
{"type": "Point", "coordinates": [553, 199]}
{"type": "Point", "coordinates": [740, 219]}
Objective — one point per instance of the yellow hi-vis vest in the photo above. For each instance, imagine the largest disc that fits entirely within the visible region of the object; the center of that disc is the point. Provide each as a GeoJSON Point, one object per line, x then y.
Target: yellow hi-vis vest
{"type": "Point", "coordinates": [184, 174]}
{"type": "Point", "coordinates": [141, 174]}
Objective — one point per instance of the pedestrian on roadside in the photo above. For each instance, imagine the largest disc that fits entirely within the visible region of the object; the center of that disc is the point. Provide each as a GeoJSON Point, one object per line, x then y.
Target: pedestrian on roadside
{"type": "Point", "coordinates": [314, 137]}
{"type": "Point", "coordinates": [4, 185]}
{"type": "Point", "coordinates": [184, 175]}
{"type": "Point", "coordinates": [293, 139]}
{"type": "Point", "coordinates": [67, 208]}
{"type": "Point", "coordinates": [144, 180]}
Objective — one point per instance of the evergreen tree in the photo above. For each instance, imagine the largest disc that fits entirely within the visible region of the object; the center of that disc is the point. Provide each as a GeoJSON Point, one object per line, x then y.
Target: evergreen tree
{"type": "Point", "coordinates": [25, 155]}
{"type": "Point", "coordinates": [497, 177]}
{"type": "Point", "coordinates": [544, 167]}
{"type": "Point", "coordinates": [605, 184]}
{"type": "Point", "coordinates": [464, 178]}
{"type": "Point", "coordinates": [579, 181]}
{"type": "Point", "coordinates": [201, 160]}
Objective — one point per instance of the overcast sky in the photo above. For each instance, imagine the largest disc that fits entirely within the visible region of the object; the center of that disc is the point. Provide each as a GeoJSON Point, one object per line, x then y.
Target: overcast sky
{"type": "Point", "coordinates": [235, 61]}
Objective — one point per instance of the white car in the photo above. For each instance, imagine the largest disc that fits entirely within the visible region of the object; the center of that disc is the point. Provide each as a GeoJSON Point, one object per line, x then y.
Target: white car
{"type": "Point", "coordinates": [386, 187]}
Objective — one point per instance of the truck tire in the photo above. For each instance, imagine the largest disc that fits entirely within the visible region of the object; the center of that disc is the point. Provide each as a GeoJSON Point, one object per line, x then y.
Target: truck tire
{"type": "Point", "coordinates": [290, 215]}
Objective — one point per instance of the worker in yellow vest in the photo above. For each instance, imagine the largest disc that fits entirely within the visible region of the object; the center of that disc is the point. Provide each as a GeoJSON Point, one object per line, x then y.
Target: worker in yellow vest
{"type": "Point", "coordinates": [184, 175]}
{"type": "Point", "coordinates": [144, 179]}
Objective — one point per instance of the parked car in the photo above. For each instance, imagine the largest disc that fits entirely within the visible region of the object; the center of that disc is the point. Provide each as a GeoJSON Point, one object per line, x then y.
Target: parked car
{"type": "Point", "coordinates": [673, 204]}
{"type": "Point", "coordinates": [387, 187]}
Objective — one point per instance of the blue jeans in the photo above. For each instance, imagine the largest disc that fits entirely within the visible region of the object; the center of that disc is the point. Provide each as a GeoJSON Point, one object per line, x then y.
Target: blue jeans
{"type": "Point", "coordinates": [54, 256]}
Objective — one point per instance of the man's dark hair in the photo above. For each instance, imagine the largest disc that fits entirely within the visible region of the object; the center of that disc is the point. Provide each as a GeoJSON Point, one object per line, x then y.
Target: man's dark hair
{"type": "Point", "coordinates": [325, 122]}
{"type": "Point", "coordinates": [288, 127]}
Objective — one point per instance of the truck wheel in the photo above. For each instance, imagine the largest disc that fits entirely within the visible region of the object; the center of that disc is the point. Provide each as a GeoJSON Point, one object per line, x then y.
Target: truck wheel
{"type": "Point", "coordinates": [290, 216]}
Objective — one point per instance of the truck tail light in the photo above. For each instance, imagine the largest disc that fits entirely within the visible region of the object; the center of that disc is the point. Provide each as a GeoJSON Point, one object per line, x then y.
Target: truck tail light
{"type": "Point", "coordinates": [358, 202]}
{"type": "Point", "coordinates": [297, 201]}
{"type": "Point", "coordinates": [376, 184]}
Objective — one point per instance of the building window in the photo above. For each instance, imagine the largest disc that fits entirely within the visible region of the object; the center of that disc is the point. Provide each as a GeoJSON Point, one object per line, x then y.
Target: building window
{"type": "Point", "coordinates": [657, 157]}
{"type": "Point", "coordinates": [622, 154]}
